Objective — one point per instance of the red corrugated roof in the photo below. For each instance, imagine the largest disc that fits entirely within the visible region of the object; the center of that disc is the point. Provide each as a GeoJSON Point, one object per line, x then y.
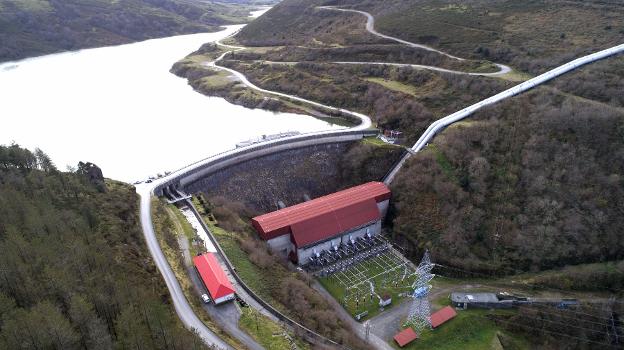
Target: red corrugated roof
{"type": "Point", "coordinates": [442, 315]}
{"type": "Point", "coordinates": [213, 276]}
{"type": "Point", "coordinates": [405, 336]}
{"type": "Point", "coordinates": [326, 216]}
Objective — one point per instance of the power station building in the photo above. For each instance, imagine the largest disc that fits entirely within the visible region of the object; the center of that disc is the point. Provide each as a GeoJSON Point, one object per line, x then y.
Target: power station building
{"type": "Point", "coordinates": [304, 230]}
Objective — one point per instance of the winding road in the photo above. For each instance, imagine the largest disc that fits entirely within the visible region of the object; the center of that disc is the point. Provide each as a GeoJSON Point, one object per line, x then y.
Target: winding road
{"type": "Point", "coordinates": [504, 69]}
{"type": "Point", "coordinates": [365, 121]}
{"type": "Point", "coordinates": [146, 191]}
{"type": "Point", "coordinates": [182, 307]}
{"type": "Point", "coordinates": [370, 27]}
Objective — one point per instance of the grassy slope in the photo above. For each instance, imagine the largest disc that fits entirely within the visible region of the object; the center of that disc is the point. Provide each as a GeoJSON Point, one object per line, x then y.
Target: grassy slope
{"type": "Point", "coordinates": [36, 27]}
{"type": "Point", "coordinates": [469, 330]}
{"type": "Point", "coordinates": [505, 30]}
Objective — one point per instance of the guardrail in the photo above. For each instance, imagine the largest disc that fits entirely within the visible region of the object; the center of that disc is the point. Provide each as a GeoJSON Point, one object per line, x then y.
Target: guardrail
{"type": "Point", "coordinates": [306, 333]}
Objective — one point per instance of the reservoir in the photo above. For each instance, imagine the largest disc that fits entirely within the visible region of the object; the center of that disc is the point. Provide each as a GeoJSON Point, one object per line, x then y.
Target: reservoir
{"type": "Point", "coordinates": [120, 108]}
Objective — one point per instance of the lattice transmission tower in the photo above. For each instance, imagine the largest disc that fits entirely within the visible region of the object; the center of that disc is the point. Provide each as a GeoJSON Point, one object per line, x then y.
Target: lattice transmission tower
{"type": "Point", "coordinates": [420, 311]}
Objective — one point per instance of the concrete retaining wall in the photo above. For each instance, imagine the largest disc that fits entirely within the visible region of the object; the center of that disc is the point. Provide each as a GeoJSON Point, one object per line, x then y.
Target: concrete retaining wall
{"type": "Point", "coordinates": [209, 165]}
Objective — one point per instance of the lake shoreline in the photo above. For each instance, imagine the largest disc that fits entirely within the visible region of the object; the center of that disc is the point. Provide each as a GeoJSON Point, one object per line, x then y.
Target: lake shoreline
{"type": "Point", "coordinates": [120, 108]}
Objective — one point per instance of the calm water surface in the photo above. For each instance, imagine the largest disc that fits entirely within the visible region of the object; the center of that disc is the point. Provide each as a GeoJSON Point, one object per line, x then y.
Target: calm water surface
{"type": "Point", "coordinates": [120, 108]}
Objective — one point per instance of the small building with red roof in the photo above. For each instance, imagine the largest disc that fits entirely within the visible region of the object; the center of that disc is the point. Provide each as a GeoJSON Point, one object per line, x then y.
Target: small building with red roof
{"type": "Point", "coordinates": [441, 316]}
{"type": "Point", "coordinates": [303, 230]}
{"type": "Point", "coordinates": [405, 336]}
{"type": "Point", "coordinates": [214, 278]}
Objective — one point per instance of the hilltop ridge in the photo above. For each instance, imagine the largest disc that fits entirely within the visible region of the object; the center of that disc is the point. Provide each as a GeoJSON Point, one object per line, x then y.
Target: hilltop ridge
{"type": "Point", "coordinates": [37, 27]}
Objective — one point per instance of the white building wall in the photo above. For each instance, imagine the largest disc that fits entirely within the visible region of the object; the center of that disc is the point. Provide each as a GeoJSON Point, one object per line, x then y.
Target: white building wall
{"type": "Point", "coordinates": [223, 299]}
{"type": "Point", "coordinates": [281, 244]}
{"type": "Point", "coordinates": [304, 254]}
{"type": "Point", "coordinates": [383, 208]}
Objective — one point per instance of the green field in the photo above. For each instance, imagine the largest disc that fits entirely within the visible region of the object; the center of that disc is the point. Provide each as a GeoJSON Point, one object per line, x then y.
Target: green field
{"type": "Point", "coordinates": [470, 329]}
{"type": "Point", "coordinates": [359, 300]}
{"type": "Point", "coordinates": [268, 333]}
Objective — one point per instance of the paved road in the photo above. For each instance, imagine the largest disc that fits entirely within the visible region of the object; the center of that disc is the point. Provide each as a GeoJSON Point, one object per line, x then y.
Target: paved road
{"type": "Point", "coordinates": [225, 315]}
{"type": "Point", "coordinates": [365, 121]}
{"type": "Point", "coordinates": [503, 70]}
{"type": "Point", "coordinates": [386, 324]}
{"type": "Point", "coordinates": [370, 27]}
{"type": "Point", "coordinates": [182, 307]}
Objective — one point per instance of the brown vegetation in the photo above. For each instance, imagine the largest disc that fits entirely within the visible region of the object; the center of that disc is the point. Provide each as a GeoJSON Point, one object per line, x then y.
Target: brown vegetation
{"type": "Point", "coordinates": [393, 53]}
{"type": "Point", "coordinates": [290, 288]}
{"type": "Point", "coordinates": [532, 183]}
{"type": "Point", "coordinates": [347, 87]}
{"type": "Point", "coordinates": [532, 36]}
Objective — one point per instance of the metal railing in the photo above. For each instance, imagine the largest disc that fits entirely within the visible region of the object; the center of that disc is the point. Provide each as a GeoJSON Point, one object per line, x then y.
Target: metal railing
{"type": "Point", "coordinates": [230, 154]}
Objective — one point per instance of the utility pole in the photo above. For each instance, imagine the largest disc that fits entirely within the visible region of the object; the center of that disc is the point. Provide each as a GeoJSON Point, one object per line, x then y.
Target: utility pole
{"type": "Point", "coordinates": [613, 337]}
{"type": "Point", "coordinates": [256, 315]}
{"type": "Point", "coordinates": [612, 324]}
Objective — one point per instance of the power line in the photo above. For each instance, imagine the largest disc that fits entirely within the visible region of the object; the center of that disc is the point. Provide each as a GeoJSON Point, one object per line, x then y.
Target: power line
{"type": "Point", "coordinates": [606, 319]}
{"type": "Point", "coordinates": [518, 272]}
{"type": "Point", "coordinates": [515, 323]}
{"type": "Point", "coordinates": [604, 324]}
{"type": "Point", "coordinates": [528, 307]}
{"type": "Point", "coordinates": [536, 286]}
{"type": "Point", "coordinates": [521, 285]}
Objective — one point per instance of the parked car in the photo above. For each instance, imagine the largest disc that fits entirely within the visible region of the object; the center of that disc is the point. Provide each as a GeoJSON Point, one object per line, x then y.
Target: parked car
{"type": "Point", "coordinates": [205, 298]}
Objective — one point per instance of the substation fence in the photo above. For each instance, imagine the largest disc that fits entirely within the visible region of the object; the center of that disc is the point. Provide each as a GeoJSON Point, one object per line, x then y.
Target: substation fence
{"type": "Point", "coordinates": [367, 271]}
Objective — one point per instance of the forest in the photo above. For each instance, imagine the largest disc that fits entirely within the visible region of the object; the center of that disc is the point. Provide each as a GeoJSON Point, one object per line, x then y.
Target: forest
{"type": "Point", "coordinates": [75, 272]}
{"type": "Point", "coordinates": [532, 183]}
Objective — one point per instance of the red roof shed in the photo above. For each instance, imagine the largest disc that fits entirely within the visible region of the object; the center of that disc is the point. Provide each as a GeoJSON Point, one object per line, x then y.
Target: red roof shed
{"type": "Point", "coordinates": [214, 278]}
{"type": "Point", "coordinates": [326, 216]}
{"type": "Point", "coordinates": [442, 315]}
{"type": "Point", "coordinates": [405, 336]}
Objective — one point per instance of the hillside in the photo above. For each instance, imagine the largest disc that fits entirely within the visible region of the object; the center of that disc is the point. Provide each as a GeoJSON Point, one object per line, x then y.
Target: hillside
{"type": "Point", "coordinates": [36, 27]}
{"type": "Point", "coordinates": [529, 35]}
{"type": "Point", "coordinates": [531, 184]}
{"type": "Point", "coordinates": [76, 273]}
